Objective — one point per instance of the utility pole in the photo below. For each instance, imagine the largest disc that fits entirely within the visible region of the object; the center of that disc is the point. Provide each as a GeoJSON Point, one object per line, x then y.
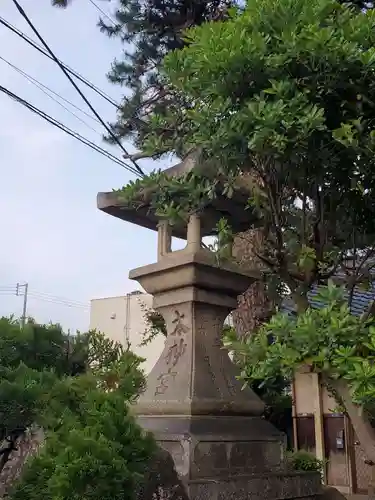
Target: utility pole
{"type": "Point", "coordinates": [25, 287]}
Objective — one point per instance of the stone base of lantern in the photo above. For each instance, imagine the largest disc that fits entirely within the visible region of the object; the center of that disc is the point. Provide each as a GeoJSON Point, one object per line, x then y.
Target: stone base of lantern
{"type": "Point", "coordinates": [208, 447]}
{"type": "Point", "coordinates": [214, 443]}
{"type": "Point", "coordinates": [223, 458]}
{"type": "Point", "coordinates": [257, 487]}
{"type": "Point", "coordinates": [162, 482]}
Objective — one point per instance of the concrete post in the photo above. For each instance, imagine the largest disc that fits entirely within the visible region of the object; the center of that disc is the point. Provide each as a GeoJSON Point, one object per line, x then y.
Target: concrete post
{"type": "Point", "coordinates": [318, 421]}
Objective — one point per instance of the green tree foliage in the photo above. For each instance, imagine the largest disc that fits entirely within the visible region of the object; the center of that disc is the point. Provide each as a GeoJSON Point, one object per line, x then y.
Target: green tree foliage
{"type": "Point", "coordinates": [37, 346]}
{"type": "Point", "coordinates": [328, 340]}
{"type": "Point", "coordinates": [154, 325]}
{"type": "Point", "coordinates": [154, 29]}
{"type": "Point", "coordinates": [150, 30]}
{"type": "Point", "coordinates": [94, 448]}
{"type": "Point", "coordinates": [31, 360]}
{"type": "Point", "coordinates": [274, 391]}
{"type": "Point", "coordinates": [322, 339]}
{"type": "Point", "coordinates": [62, 383]}
{"type": "Point", "coordinates": [282, 91]}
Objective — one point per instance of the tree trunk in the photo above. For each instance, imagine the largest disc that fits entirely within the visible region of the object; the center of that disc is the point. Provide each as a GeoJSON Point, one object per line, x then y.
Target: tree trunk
{"type": "Point", "coordinates": [6, 451]}
{"type": "Point", "coordinates": [254, 307]}
{"type": "Point", "coordinates": [8, 446]}
{"type": "Point", "coordinates": [360, 421]}
{"type": "Point", "coordinates": [26, 445]}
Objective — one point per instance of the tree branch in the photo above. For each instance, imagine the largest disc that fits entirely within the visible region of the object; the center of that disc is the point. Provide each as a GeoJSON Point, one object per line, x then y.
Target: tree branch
{"type": "Point", "coordinates": [141, 155]}
{"type": "Point", "coordinates": [361, 423]}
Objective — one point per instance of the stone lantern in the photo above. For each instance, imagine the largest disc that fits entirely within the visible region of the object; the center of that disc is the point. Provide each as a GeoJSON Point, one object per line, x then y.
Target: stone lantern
{"type": "Point", "coordinates": [194, 404]}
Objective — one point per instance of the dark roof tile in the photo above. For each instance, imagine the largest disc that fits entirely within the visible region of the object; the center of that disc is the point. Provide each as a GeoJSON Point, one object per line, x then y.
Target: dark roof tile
{"type": "Point", "coordinates": [361, 300]}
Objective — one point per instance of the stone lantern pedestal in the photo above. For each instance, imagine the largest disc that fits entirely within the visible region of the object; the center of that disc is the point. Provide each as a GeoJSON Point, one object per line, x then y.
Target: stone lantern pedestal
{"type": "Point", "coordinates": [195, 406]}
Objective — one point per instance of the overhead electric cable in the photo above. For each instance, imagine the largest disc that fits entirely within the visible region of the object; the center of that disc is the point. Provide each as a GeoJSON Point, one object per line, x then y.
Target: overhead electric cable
{"type": "Point", "coordinates": [59, 298]}
{"type": "Point", "coordinates": [67, 130]}
{"type": "Point", "coordinates": [26, 75]}
{"type": "Point", "coordinates": [59, 302]}
{"type": "Point", "coordinates": [103, 13]}
{"type": "Point", "coordinates": [77, 75]}
{"type": "Point", "coordinates": [45, 297]}
{"type": "Point", "coordinates": [7, 288]}
{"type": "Point", "coordinates": [66, 73]}
{"type": "Point", "coordinates": [46, 89]}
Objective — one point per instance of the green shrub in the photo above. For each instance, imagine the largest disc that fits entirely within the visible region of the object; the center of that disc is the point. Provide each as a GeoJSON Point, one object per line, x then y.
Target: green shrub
{"type": "Point", "coordinates": [303, 461]}
{"type": "Point", "coordinates": [97, 452]}
{"type": "Point", "coordinates": [93, 449]}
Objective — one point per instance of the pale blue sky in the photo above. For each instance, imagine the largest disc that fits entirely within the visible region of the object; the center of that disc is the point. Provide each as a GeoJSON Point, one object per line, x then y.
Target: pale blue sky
{"type": "Point", "coordinates": [53, 236]}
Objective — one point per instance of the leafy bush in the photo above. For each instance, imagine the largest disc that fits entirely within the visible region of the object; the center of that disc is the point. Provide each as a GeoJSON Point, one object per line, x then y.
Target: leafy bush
{"type": "Point", "coordinates": [303, 461]}
{"type": "Point", "coordinates": [96, 451]}
{"type": "Point", "coordinates": [79, 391]}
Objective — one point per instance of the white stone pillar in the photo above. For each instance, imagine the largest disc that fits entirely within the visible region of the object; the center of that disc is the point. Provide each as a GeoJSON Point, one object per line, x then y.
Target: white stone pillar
{"type": "Point", "coordinates": [164, 239]}
{"type": "Point", "coordinates": [194, 237]}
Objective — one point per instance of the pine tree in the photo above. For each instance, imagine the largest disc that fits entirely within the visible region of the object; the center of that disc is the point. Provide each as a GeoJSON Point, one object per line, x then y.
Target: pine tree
{"type": "Point", "coordinates": [149, 30]}
{"type": "Point", "coordinates": [152, 29]}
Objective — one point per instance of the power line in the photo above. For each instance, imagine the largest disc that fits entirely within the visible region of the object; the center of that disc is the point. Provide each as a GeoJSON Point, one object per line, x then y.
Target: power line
{"type": "Point", "coordinates": [67, 130]}
{"type": "Point", "coordinates": [44, 297]}
{"type": "Point", "coordinates": [77, 75]}
{"type": "Point", "coordinates": [23, 73]}
{"type": "Point", "coordinates": [73, 72]}
{"type": "Point", "coordinates": [57, 302]}
{"type": "Point", "coordinates": [46, 89]}
{"type": "Point", "coordinates": [103, 13]}
{"type": "Point", "coordinates": [59, 299]}
{"type": "Point", "coordinates": [66, 73]}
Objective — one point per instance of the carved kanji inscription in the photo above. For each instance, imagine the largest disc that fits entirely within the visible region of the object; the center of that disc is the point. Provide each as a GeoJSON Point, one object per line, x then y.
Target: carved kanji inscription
{"type": "Point", "coordinates": [175, 351]}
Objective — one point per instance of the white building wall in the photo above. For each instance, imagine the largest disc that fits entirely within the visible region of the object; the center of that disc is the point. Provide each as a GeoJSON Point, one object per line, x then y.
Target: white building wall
{"type": "Point", "coordinates": [122, 319]}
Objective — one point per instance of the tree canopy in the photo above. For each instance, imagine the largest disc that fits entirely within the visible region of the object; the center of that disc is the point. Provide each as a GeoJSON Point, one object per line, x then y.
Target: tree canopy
{"type": "Point", "coordinates": [282, 91]}
{"type": "Point", "coordinates": [153, 29]}
{"type": "Point", "coordinates": [32, 358]}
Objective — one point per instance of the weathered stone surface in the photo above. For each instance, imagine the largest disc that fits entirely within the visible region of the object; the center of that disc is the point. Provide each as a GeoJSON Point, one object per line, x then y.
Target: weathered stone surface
{"type": "Point", "coordinates": [211, 447]}
{"type": "Point", "coordinates": [194, 375]}
{"type": "Point", "coordinates": [257, 487]}
{"type": "Point", "coordinates": [161, 482]}
{"type": "Point", "coordinates": [330, 493]}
